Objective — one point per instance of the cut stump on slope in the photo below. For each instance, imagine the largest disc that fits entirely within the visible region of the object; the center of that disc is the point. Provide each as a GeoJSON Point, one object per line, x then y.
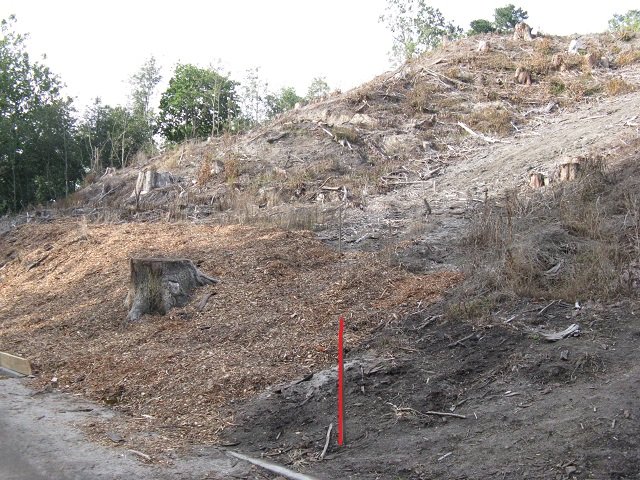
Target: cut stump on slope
{"type": "Point", "coordinates": [159, 284]}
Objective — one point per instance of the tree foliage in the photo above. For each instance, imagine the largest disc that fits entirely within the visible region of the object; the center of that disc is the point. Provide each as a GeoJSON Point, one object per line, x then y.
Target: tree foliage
{"type": "Point", "coordinates": [629, 22]}
{"type": "Point", "coordinates": [481, 26]}
{"type": "Point", "coordinates": [38, 155]}
{"type": "Point", "coordinates": [254, 97]}
{"type": "Point", "coordinates": [507, 17]}
{"type": "Point", "coordinates": [143, 87]}
{"type": "Point", "coordinates": [111, 136]}
{"type": "Point", "coordinates": [198, 102]}
{"type": "Point", "coordinates": [282, 101]}
{"type": "Point", "coordinates": [318, 88]}
{"type": "Point", "coordinates": [416, 27]}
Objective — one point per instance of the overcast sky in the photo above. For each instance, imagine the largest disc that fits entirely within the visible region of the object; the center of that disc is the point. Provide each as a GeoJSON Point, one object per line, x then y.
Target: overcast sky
{"type": "Point", "coordinates": [95, 46]}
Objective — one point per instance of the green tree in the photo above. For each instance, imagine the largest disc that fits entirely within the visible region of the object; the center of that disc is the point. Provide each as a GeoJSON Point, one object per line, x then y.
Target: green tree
{"type": "Point", "coordinates": [38, 158]}
{"type": "Point", "coordinates": [481, 26]}
{"type": "Point", "coordinates": [416, 27]}
{"type": "Point", "coordinates": [282, 101]}
{"type": "Point", "coordinates": [197, 103]}
{"type": "Point", "coordinates": [254, 97]}
{"type": "Point", "coordinates": [507, 17]}
{"type": "Point", "coordinates": [629, 22]}
{"type": "Point", "coordinates": [318, 88]}
{"type": "Point", "coordinates": [143, 87]}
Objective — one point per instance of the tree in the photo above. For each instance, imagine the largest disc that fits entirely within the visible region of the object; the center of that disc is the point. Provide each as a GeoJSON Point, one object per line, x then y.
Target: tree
{"type": "Point", "coordinates": [629, 22]}
{"type": "Point", "coordinates": [507, 17]}
{"type": "Point", "coordinates": [143, 85]}
{"type": "Point", "coordinates": [198, 102]}
{"type": "Point", "coordinates": [283, 101]}
{"type": "Point", "coordinates": [254, 97]}
{"type": "Point", "coordinates": [481, 26]}
{"type": "Point", "coordinates": [38, 155]}
{"type": "Point", "coordinates": [416, 27]}
{"type": "Point", "coordinates": [318, 88]}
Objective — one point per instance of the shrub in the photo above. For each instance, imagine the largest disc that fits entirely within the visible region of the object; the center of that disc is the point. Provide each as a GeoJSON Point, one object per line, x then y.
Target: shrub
{"type": "Point", "coordinates": [492, 120]}
{"type": "Point", "coordinates": [617, 86]}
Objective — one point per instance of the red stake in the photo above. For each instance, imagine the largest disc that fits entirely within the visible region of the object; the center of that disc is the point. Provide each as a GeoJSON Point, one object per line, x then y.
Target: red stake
{"type": "Point", "coordinates": [340, 428]}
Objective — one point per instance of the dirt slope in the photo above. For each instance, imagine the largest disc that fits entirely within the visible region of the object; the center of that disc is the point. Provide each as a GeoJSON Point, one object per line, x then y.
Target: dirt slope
{"type": "Point", "coordinates": [380, 205]}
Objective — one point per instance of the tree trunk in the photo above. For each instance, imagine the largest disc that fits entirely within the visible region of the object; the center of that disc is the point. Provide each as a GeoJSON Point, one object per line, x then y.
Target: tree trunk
{"type": "Point", "coordinates": [159, 284]}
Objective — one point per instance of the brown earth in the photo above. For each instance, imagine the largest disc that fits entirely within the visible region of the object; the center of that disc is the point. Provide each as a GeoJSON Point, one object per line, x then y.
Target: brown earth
{"type": "Point", "coordinates": [378, 205]}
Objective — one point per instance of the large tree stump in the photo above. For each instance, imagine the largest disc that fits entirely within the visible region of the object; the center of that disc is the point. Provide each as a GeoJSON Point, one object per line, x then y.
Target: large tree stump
{"type": "Point", "coordinates": [159, 284]}
{"type": "Point", "coordinates": [568, 171]}
{"type": "Point", "coordinates": [150, 179]}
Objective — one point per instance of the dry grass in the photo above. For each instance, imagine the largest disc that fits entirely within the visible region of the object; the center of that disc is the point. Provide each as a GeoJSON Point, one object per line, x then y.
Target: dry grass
{"type": "Point", "coordinates": [627, 57]}
{"type": "Point", "coordinates": [422, 97]}
{"type": "Point", "coordinates": [492, 120]}
{"type": "Point", "coordinates": [618, 86]}
{"type": "Point", "coordinates": [563, 243]}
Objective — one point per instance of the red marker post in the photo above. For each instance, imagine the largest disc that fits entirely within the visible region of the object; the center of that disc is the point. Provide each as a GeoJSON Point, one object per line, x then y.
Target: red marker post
{"type": "Point", "coordinates": [340, 429]}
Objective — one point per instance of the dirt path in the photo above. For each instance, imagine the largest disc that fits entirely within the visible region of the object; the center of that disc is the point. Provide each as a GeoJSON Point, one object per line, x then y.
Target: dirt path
{"type": "Point", "coordinates": [40, 439]}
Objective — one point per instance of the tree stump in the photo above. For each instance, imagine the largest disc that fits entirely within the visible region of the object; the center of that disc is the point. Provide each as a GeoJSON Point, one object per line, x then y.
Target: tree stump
{"type": "Point", "coordinates": [159, 284]}
{"type": "Point", "coordinates": [151, 179]}
{"type": "Point", "coordinates": [568, 171]}
{"type": "Point", "coordinates": [536, 180]}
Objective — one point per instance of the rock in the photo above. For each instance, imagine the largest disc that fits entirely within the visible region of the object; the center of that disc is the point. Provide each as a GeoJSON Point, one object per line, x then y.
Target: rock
{"type": "Point", "coordinates": [483, 46]}
{"type": "Point", "coordinates": [574, 46]}
{"type": "Point", "coordinates": [363, 120]}
{"type": "Point", "coordinates": [217, 167]}
{"type": "Point", "coordinates": [522, 31]}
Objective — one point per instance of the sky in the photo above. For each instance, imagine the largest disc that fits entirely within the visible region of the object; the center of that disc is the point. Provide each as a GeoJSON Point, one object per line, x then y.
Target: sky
{"type": "Point", "coordinates": [95, 46]}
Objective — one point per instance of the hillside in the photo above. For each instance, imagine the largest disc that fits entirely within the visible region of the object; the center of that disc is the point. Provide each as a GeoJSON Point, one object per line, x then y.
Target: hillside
{"type": "Point", "coordinates": [405, 205]}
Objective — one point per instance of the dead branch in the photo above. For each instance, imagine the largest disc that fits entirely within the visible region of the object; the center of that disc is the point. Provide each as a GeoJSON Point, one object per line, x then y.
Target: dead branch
{"type": "Point", "coordinates": [459, 342]}
{"type": "Point", "coordinates": [479, 135]}
{"type": "Point", "coordinates": [37, 262]}
{"type": "Point", "coordinates": [445, 414]}
{"type": "Point", "coordinates": [285, 472]}
{"type": "Point", "coordinates": [140, 454]}
{"type": "Point", "coordinates": [205, 299]}
{"type": "Point", "coordinates": [424, 414]}
{"type": "Point", "coordinates": [326, 443]}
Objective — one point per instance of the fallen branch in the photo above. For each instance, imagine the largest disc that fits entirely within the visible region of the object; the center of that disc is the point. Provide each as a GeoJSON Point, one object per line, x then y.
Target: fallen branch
{"type": "Point", "coordinates": [572, 330]}
{"type": "Point", "coordinates": [37, 262]}
{"type": "Point", "coordinates": [479, 135]}
{"type": "Point", "coordinates": [285, 472]}
{"type": "Point", "coordinates": [428, 322]}
{"type": "Point", "coordinates": [205, 299]}
{"type": "Point", "coordinates": [326, 443]}
{"type": "Point", "coordinates": [459, 342]}
{"type": "Point", "coordinates": [545, 308]}
{"type": "Point", "coordinates": [444, 414]}
{"type": "Point", "coordinates": [140, 454]}
{"type": "Point", "coordinates": [425, 414]}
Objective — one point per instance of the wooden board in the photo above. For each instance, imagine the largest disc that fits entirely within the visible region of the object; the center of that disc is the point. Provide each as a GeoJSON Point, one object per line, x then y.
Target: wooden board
{"type": "Point", "coordinates": [17, 364]}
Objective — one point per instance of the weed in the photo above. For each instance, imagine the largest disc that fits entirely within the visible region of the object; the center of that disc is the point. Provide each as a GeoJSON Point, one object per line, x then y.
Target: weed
{"type": "Point", "coordinates": [421, 97]}
{"type": "Point", "coordinates": [544, 46]}
{"type": "Point", "coordinates": [346, 133]}
{"type": "Point", "coordinates": [472, 309]}
{"type": "Point", "coordinates": [627, 57]}
{"type": "Point", "coordinates": [231, 169]}
{"type": "Point", "coordinates": [556, 86]}
{"type": "Point", "coordinates": [493, 120]}
{"type": "Point", "coordinates": [617, 86]}
{"type": "Point", "coordinates": [204, 173]}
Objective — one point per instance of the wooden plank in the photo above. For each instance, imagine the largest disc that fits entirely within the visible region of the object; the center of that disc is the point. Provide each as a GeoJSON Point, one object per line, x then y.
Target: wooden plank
{"type": "Point", "coordinates": [17, 364]}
